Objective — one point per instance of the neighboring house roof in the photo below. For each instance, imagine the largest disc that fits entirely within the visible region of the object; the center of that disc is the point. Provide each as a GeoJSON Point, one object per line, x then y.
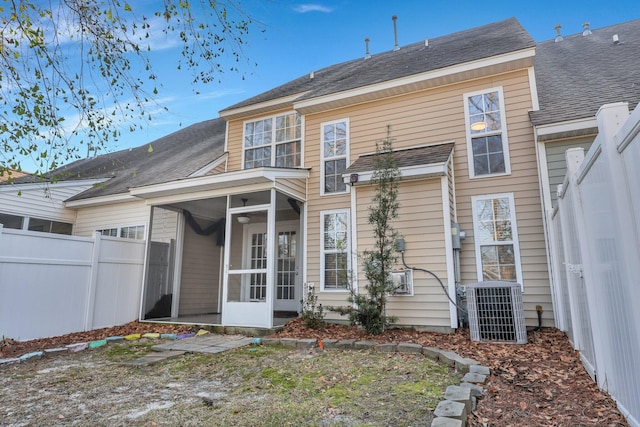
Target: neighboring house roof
{"type": "Point", "coordinates": [579, 74]}
{"type": "Point", "coordinates": [452, 49]}
{"type": "Point", "coordinates": [173, 157]}
{"type": "Point", "coordinates": [8, 174]}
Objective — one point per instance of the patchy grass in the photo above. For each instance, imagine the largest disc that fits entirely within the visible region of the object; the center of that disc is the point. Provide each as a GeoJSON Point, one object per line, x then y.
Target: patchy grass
{"type": "Point", "coordinates": [125, 351]}
{"type": "Point", "coordinates": [267, 386]}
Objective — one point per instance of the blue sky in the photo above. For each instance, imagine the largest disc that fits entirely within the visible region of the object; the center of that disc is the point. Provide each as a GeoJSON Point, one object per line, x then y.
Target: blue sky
{"type": "Point", "coordinates": [300, 37]}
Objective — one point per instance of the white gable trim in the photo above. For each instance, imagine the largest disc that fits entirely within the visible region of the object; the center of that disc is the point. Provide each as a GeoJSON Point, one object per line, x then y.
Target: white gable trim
{"type": "Point", "coordinates": [209, 167]}
{"type": "Point", "coordinates": [98, 201]}
{"type": "Point", "coordinates": [220, 182]}
{"type": "Point", "coordinates": [407, 172]}
{"type": "Point", "coordinates": [568, 128]}
{"type": "Point", "coordinates": [468, 70]}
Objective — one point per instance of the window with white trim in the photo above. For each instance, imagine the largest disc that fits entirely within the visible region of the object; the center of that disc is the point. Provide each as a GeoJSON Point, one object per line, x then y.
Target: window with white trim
{"type": "Point", "coordinates": [334, 248]}
{"type": "Point", "coordinates": [487, 145]}
{"type": "Point", "coordinates": [35, 224]}
{"type": "Point", "coordinates": [335, 149]}
{"type": "Point", "coordinates": [496, 238]}
{"type": "Point", "coordinates": [281, 134]}
{"type": "Point", "coordinates": [130, 232]}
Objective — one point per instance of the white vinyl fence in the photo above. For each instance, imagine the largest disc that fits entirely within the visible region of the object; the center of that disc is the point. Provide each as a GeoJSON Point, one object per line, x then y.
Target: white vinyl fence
{"type": "Point", "coordinates": [596, 252]}
{"type": "Point", "coordinates": [53, 284]}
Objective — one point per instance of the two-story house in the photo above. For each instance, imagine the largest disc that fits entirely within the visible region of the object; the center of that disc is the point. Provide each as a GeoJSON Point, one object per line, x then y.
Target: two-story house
{"type": "Point", "coordinates": [283, 205]}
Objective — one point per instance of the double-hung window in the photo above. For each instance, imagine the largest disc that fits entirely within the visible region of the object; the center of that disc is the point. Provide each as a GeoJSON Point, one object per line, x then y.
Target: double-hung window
{"type": "Point", "coordinates": [273, 141]}
{"type": "Point", "coordinates": [131, 232]}
{"type": "Point", "coordinates": [496, 238]}
{"type": "Point", "coordinates": [487, 146]}
{"type": "Point", "coordinates": [334, 249]}
{"type": "Point", "coordinates": [335, 149]}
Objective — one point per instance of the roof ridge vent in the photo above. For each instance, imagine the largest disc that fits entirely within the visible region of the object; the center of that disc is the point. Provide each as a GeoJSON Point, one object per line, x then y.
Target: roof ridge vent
{"type": "Point", "coordinates": [558, 35]}
{"type": "Point", "coordinates": [585, 29]}
{"type": "Point", "coordinates": [367, 55]}
{"type": "Point", "coordinates": [394, 18]}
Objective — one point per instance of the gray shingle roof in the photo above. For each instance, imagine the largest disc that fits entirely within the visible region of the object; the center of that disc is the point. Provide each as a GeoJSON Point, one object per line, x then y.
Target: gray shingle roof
{"type": "Point", "coordinates": [457, 48]}
{"type": "Point", "coordinates": [174, 157]}
{"type": "Point", "coordinates": [420, 156]}
{"type": "Point", "coordinates": [581, 73]}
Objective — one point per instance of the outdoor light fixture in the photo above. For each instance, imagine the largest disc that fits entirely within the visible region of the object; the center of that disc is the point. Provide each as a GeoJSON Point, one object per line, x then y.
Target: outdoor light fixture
{"type": "Point", "coordinates": [243, 218]}
{"type": "Point", "coordinates": [478, 126]}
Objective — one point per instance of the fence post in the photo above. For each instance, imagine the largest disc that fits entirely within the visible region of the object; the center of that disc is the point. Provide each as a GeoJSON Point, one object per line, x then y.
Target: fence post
{"type": "Point", "coordinates": [93, 282]}
{"type": "Point", "coordinates": [611, 118]}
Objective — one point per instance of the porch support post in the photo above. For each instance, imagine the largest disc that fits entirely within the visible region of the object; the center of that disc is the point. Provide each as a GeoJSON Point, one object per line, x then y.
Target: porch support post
{"type": "Point", "coordinates": [272, 256]}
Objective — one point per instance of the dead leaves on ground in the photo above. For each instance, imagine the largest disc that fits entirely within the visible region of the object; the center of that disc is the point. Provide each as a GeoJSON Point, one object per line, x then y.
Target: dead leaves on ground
{"type": "Point", "coordinates": [11, 348]}
{"type": "Point", "coordinates": [540, 383]}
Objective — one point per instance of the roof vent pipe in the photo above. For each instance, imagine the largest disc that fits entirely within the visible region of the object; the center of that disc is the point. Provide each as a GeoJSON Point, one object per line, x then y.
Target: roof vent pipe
{"type": "Point", "coordinates": [558, 35]}
{"type": "Point", "coordinates": [312, 75]}
{"type": "Point", "coordinates": [367, 55]}
{"type": "Point", "coordinates": [585, 29]}
{"type": "Point", "coordinates": [426, 42]}
{"type": "Point", "coordinates": [616, 39]}
{"type": "Point", "coordinates": [394, 18]}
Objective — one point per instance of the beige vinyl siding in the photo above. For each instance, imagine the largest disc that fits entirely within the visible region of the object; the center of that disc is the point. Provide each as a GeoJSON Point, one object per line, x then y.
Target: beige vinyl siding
{"type": "Point", "coordinates": [164, 225]}
{"type": "Point", "coordinates": [556, 163]}
{"type": "Point", "coordinates": [40, 201]}
{"type": "Point", "coordinates": [292, 187]}
{"type": "Point", "coordinates": [523, 183]}
{"type": "Point", "coordinates": [221, 168]}
{"type": "Point", "coordinates": [420, 222]}
{"type": "Point", "coordinates": [199, 282]}
{"type": "Point", "coordinates": [435, 116]}
{"type": "Point", "coordinates": [90, 219]}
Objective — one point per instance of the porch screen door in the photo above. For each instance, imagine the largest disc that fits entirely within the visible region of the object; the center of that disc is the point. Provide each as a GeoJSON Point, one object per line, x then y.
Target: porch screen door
{"type": "Point", "coordinates": [246, 282]}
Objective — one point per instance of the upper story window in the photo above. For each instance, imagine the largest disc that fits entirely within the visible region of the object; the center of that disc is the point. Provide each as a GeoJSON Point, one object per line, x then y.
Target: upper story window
{"type": "Point", "coordinates": [496, 238]}
{"type": "Point", "coordinates": [274, 141]}
{"type": "Point", "coordinates": [335, 149]}
{"type": "Point", "coordinates": [487, 147]}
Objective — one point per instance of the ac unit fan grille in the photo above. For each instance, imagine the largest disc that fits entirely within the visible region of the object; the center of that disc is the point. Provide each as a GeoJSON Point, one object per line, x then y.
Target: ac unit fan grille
{"type": "Point", "coordinates": [496, 313]}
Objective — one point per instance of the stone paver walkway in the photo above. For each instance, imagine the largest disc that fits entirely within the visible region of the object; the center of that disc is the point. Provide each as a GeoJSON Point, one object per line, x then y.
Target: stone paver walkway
{"type": "Point", "coordinates": [209, 343]}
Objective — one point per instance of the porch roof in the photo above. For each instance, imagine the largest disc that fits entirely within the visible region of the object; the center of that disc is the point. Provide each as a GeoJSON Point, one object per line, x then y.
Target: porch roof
{"type": "Point", "coordinates": [225, 183]}
{"type": "Point", "coordinates": [414, 163]}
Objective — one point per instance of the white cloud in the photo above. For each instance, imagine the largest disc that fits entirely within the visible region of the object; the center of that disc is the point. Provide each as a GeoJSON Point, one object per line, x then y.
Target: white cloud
{"type": "Point", "coordinates": [220, 93]}
{"type": "Point", "coordinates": [312, 7]}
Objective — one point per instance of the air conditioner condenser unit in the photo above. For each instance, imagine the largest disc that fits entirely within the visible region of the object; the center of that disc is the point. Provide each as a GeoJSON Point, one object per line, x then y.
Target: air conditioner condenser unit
{"type": "Point", "coordinates": [496, 313]}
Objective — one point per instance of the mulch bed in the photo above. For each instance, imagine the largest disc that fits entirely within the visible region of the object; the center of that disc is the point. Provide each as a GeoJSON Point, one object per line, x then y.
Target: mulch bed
{"type": "Point", "coordinates": [11, 348]}
{"type": "Point", "coordinates": [542, 383]}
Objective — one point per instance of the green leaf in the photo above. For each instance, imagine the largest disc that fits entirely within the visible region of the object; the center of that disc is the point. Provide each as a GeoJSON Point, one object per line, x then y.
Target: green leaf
{"type": "Point", "coordinates": [150, 149]}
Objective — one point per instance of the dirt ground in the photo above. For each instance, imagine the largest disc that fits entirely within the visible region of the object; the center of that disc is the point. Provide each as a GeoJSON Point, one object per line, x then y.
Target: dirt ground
{"type": "Point", "coordinates": [540, 383]}
{"type": "Point", "coordinates": [249, 386]}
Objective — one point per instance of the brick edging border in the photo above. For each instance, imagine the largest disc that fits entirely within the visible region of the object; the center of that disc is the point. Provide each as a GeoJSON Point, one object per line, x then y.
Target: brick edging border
{"type": "Point", "coordinates": [459, 401]}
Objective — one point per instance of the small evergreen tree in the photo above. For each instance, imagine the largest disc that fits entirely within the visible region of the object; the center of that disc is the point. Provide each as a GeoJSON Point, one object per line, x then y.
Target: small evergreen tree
{"type": "Point", "coordinates": [369, 307]}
